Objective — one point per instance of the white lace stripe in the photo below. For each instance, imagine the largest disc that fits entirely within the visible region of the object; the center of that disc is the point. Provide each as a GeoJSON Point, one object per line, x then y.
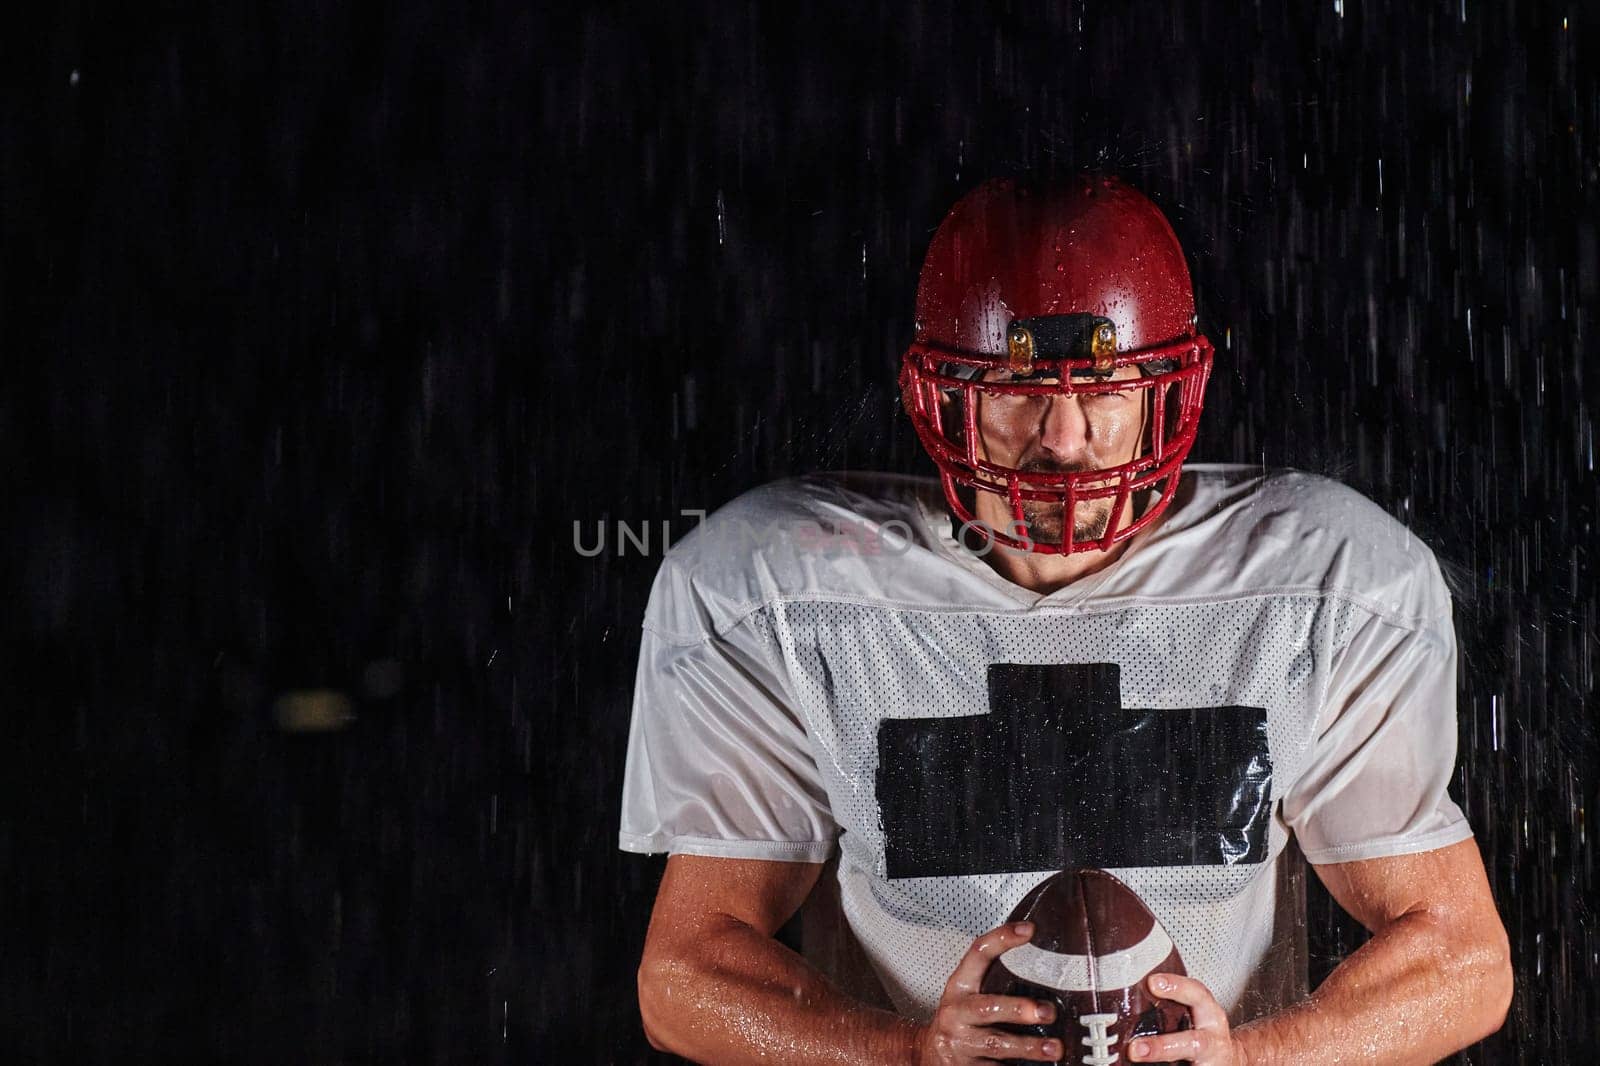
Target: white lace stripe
{"type": "Point", "coordinates": [1099, 1041]}
{"type": "Point", "coordinates": [1077, 973]}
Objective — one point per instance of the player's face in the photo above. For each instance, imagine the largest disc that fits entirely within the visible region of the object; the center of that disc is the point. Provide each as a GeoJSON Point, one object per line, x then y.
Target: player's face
{"type": "Point", "coordinates": [1063, 434]}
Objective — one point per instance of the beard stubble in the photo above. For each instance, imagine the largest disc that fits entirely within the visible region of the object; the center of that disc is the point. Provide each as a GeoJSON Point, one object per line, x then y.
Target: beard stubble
{"type": "Point", "coordinates": [1046, 521]}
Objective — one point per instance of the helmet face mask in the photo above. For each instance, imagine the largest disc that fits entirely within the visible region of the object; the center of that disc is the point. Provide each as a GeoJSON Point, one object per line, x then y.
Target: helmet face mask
{"type": "Point", "coordinates": [1000, 340]}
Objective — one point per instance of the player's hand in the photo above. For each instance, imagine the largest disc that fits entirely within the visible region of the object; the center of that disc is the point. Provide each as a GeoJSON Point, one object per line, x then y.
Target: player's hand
{"type": "Point", "coordinates": [1209, 1043]}
{"type": "Point", "coordinates": [962, 1030]}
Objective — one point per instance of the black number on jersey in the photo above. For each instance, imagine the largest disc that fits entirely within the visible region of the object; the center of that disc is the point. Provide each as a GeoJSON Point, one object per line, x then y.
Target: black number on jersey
{"type": "Point", "coordinates": [1058, 773]}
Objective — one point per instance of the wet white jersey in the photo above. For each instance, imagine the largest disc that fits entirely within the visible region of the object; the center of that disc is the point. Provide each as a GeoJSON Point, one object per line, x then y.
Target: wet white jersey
{"type": "Point", "coordinates": [823, 666]}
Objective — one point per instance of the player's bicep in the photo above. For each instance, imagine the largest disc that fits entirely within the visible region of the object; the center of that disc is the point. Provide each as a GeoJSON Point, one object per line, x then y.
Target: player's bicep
{"type": "Point", "coordinates": [1448, 883]}
{"type": "Point", "coordinates": [699, 894]}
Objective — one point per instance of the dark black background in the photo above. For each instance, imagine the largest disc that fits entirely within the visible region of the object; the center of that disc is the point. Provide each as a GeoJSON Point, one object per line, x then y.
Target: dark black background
{"type": "Point", "coordinates": [323, 323]}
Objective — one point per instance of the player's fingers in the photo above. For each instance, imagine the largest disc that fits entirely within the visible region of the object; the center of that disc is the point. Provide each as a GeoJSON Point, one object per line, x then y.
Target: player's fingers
{"type": "Point", "coordinates": [995, 1044]}
{"type": "Point", "coordinates": [1197, 1046]}
{"type": "Point", "coordinates": [978, 1009]}
{"type": "Point", "coordinates": [1203, 1006]}
{"type": "Point", "coordinates": [974, 964]}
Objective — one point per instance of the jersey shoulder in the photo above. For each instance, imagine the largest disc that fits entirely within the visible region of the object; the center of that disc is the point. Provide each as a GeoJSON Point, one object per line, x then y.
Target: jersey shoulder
{"type": "Point", "coordinates": [1255, 530]}
{"type": "Point", "coordinates": [842, 535]}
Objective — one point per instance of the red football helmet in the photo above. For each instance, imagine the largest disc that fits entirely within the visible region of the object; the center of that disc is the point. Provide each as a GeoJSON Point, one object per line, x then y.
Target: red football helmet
{"type": "Point", "coordinates": [1050, 290]}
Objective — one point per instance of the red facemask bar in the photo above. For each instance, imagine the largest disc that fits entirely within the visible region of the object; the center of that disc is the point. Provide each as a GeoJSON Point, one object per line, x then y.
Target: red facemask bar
{"type": "Point", "coordinates": [1173, 396]}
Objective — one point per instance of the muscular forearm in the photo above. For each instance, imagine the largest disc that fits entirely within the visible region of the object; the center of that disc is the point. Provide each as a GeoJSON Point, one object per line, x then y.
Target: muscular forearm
{"type": "Point", "coordinates": [1414, 993]}
{"type": "Point", "coordinates": [731, 994]}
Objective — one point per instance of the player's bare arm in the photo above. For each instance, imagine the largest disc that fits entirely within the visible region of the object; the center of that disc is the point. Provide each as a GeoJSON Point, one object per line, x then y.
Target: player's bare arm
{"type": "Point", "coordinates": [1434, 978]}
{"type": "Point", "coordinates": [714, 986]}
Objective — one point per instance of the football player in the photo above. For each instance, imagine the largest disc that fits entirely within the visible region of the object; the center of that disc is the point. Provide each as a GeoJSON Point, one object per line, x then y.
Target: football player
{"type": "Point", "coordinates": [1068, 650]}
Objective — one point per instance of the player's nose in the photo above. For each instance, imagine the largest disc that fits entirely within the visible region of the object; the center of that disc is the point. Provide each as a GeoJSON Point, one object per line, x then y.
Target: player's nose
{"type": "Point", "coordinates": [1064, 430]}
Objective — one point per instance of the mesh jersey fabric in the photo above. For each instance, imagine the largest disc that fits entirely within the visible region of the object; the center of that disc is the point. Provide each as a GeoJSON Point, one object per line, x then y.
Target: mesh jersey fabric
{"type": "Point", "coordinates": [798, 635]}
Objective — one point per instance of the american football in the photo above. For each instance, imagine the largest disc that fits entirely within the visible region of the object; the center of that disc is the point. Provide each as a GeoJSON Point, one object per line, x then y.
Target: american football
{"type": "Point", "coordinates": [1093, 946]}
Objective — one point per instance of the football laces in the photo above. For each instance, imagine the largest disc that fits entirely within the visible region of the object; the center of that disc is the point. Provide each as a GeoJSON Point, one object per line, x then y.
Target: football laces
{"type": "Point", "coordinates": [1099, 1041]}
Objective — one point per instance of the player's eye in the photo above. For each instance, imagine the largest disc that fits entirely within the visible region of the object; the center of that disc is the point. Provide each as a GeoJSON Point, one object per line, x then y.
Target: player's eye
{"type": "Point", "coordinates": [1108, 398]}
